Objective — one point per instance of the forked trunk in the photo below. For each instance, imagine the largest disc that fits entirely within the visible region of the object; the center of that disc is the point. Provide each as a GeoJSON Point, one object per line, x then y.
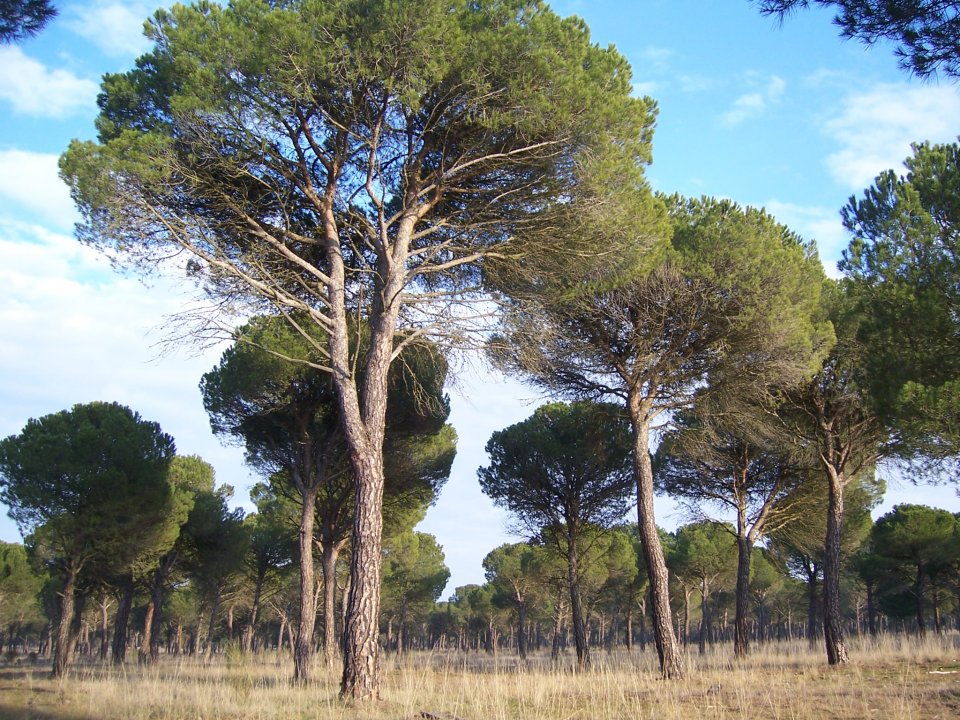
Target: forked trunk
{"type": "Point", "coordinates": [303, 643]}
{"type": "Point", "coordinates": [832, 620]}
{"type": "Point", "coordinates": [741, 635]}
{"type": "Point", "coordinates": [668, 649]}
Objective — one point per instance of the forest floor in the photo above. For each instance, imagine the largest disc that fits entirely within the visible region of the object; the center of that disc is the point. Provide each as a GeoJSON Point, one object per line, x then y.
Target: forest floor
{"type": "Point", "coordinates": [895, 677]}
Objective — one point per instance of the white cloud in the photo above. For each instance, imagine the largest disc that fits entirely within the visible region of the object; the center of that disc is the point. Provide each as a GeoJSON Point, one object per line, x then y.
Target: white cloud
{"type": "Point", "coordinates": [754, 103]}
{"type": "Point", "coordinates": [75, 332]}
{"type": "Point", "coordinates": [32, 182]}
{"type": "Point", "coordinates": [34, 89]}
{"type": "Point", "coordinates": [114, 27]}
{"type": "Point", "coordinates": [820, 224]}
{"type": "Point", "coordinates": [874, 128]}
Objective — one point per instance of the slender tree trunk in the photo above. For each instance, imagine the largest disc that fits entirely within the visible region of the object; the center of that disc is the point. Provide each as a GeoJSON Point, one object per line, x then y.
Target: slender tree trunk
{"type": "Point", "coordinates": [120, 622]}
{"type": "Point", "coordinates": [144, 655]}
{"type": "Point", "coordinates": [61, 655]}
{"type": "Point", "coordinates": [246, 640]}
{"type": "Point", "coordinates": [104, 628]}
{"type": "Point", "coordinates": [576, 603]}
{"type": "Point", "coordinates": [741, 637]}
{"type": "Point", "coordinates": [871, 611]}
{"type": "Point", "coordinates": [303, 643]}
{"type": "Point", "coordinates": [77, 636]}
{"type": "Point", "coordinates": [919, 592]}
{"type": "Point", "coordinates": [212, 625]}
{"type": "Point", "coordinates": [330, 553]}
{"type": "Point", "coordinates": [557, 630]}
{"type": "Point", "coordinates": [668, 650]}
{"type": "Point", "coordinates": [704, 615]}
{"type": "Point", "coordinates": [832, 619]}
{"type": "Point", "coordinates": [521, 627]}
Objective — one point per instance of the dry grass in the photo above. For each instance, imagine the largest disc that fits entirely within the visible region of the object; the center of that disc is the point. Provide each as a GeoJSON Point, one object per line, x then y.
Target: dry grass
{"type": "Point", "coordinates": [886, 679]}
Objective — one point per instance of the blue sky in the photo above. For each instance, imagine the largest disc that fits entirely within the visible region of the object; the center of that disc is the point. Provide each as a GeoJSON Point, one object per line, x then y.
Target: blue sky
{"type": "Point", "coordinates": [787, 117]}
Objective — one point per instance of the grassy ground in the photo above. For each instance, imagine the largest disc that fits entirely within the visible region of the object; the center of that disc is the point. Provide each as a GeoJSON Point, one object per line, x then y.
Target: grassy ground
{"type": "Point", "coordinates": [892, 678]}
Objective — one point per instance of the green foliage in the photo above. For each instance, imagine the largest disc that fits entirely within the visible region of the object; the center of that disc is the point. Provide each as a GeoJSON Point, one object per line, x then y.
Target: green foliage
{"type": "Point", "coordinates": [90, 484]}
{"type": "Point", "coordinates": [21, 19]}
{"type": "Point", "coordinates": [903, 270]}
{"type": "Point", "coordinates": [414, 575]}
{"type": "Point", "coordinates": [705, 552]}
{"type": "Point", "coordinates": [20, 587]}
{"type": "Point", "coordinates": [567, 465]}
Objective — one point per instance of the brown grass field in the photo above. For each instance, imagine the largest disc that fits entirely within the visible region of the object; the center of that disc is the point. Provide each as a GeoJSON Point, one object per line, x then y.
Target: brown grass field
{"type": "Point", "coordinates": [895, 677]}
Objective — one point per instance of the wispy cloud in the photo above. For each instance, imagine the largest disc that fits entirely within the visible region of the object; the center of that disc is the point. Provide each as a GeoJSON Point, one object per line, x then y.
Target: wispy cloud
{"type": "Point", "coordinates": [114, 27]}
{"type": "Point", "coordinates": [31, 181]}
{"type": "Point", "coordinates": [874, 128]}
{"type": "Point", "coordinates": [753, 104]}
{"type": "Point", "coordinates": [34, 89]}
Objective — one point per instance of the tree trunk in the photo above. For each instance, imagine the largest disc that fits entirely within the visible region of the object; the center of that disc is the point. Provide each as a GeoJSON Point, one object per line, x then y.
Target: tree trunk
{"type": "Point", "coordinates": [246, 640]}
{"type": "Point", "coordinates": [521, 627]}
{"type": "Point", "coordinates": [329, 556]}
{"type": "Point", "coordinates": [871, 611]}
{"type": "Point", "coordinates": [77, 635]}
{"type": "Point", "coordinates": [120, 622]}
{"type": "Point", "coordinates": [303, 643]}
{"type": "Point", "coordinates": [832, 620]}
{"type": "Point", "coordinates": [668, 650]}
{"type": "Point", "coordinates": [741, 637]}
{"type": "Point", "coordinates": [704, 615]}
{"type": "Point", "coordinates": [557, 630]}
{"type": "Point", "coordinates": [812, 603]}
{"type": "Point", "coordinates": [919, 592]}
{"type": "Point", "coordinates": [361, 651]}
{"type": "Point", "coordinates": [212, 626]}
{"type": "Point", "coordinates": [61, 655]}
{"type": "Point", "coordinates": [144, 656]}
{"type": "Point", "coordinates": [104, 628]}
{"type": "Point", "coordinates": [576, 603]}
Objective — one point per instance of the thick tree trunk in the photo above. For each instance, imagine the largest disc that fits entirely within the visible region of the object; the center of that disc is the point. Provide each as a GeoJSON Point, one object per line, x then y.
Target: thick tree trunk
{"type": "Point", "coordinates": [361, 651]}
{"type": "Point", "coordinates": [741, 636]}
{"type": "Point", "coordinates": [668, 649]}
{"type": "Point", "coordinates": [120, 622]}
{"type": "Point", "coordinates": [61, 654]}
{"type": "Point", "coordinates": [832, 619]}
{"type": "Point", "coordinates": [328, 565]}
{"type": "Point", "coordinates": [303, 643]}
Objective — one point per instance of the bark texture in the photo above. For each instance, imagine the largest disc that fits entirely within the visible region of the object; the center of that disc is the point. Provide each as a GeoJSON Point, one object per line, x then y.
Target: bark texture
{"type": "Point", "coordinates": [668, 649]}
